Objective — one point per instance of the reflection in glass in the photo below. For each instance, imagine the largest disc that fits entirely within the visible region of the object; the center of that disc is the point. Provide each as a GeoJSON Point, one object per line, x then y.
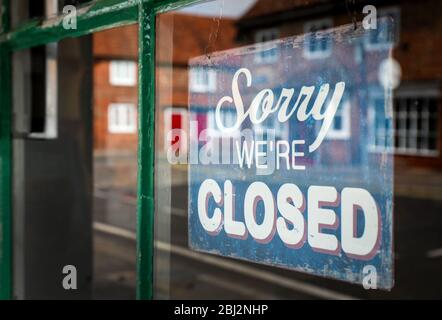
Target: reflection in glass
{"type": "Point", "coordinates": [372, 126]}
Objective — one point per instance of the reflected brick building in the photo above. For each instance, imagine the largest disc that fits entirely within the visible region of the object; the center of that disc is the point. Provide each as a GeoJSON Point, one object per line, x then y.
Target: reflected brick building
{"type": "Point", "coordinates": [115, 101]}
{"type": "Point", "coordinates": [109, 93]}
{"type": "Point", "coordinates": [115, 88]}
{"type": "Point", "coordinates": [417, 102]}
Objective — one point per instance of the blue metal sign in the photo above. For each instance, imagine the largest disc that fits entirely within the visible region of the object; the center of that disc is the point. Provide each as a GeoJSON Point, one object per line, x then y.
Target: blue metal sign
{"type": "Point", "coordinates": [290, 160]}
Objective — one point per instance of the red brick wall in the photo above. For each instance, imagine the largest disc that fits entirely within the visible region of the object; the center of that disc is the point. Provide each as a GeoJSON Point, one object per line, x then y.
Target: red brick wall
{"type": "Point", "coordinates": [104, 95]}
{"type": "Point", "coordinates": [121, 42]}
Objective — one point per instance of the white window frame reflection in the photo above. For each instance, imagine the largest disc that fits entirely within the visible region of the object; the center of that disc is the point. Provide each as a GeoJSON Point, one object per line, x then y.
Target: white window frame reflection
{"type": "Point", "coordinates": [267, 53]}
{"type": "Point", "coordinates": [123, 73]}
{"type": "Point", "coordinates": [406, 133]}
{"type": "Point", "coordinates": [122, 118]}
{"type": "Point", "coordinates": [202, 80]}
{"type": "Point", "coordinates": [377, 132]}
{"type": "Point", "coordinates": [409, 135]}
{"type": "Point", "coordinates": [344, 112]}
{"type": "Point", "coordinates": [316, 29]}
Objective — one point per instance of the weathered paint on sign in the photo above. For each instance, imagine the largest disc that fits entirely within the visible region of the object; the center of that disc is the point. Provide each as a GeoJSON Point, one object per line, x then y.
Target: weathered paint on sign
{"type": "Point", "coordinates": [290, 160]}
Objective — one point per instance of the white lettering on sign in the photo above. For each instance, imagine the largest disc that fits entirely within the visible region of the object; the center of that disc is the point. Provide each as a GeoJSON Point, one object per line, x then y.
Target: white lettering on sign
{"type": "Point", "coordinates": [262, 232]}
{"type": "Point", "coordinates": [211, 225]}
{"type": "Point", "coordinates": [291, 205]}
{"type": "Point", "coordinates": [360, 200]}
{"type": "Point", "coordinates": [265, 99]}
{"type": "Point", "coordinates": [291, 226]}
{"type": "Point", "coordinates": [321, 218]}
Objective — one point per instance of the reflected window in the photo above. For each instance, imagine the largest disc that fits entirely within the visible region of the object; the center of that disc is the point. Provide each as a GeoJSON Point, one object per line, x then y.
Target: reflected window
{"type": "Point", "coordinates": [383, 37]}
{"type": "Point", "coordinates": [379, 125]}
{"type": "Point", "coordinates": [122, 118]}
{"type": "Point", "coordinates": [416, 121]}
{"type": "Point", "coordinates": [341, 127]}
{"type": "Point", "coordinates": [268, 55]}
{"type": "Point", "coordinates": [202, 80]}
{"type": "Point", "coordinates": [123, 73]}
{"type": "Point", "coordinates": [415, 125]}
{"type": "Point", "coordinates": [318, 44]}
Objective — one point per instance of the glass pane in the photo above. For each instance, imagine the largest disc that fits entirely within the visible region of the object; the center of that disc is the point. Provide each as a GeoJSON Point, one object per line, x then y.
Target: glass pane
{"type": "Point", "coordinates": [115, 140]}
{"type": "Point", "coordinates": [264, 57]}
{"type": "Point", "coordinates": [52, 174]}
{"type": "Point", "coordinates": [74, 192]}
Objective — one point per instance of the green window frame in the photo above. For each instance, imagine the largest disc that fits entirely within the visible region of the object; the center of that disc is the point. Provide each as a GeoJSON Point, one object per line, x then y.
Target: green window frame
{"type": "Point", "coordinates": [97, 16]}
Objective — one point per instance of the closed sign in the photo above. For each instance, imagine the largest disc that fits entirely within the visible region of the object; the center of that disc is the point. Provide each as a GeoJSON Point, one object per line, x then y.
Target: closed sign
{"type": "Point", "coordinates": [290, 160]}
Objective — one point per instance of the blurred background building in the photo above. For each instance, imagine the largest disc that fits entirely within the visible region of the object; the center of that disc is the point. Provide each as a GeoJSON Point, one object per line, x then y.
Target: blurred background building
{"type": "Point", "coordinates": [416, 101]}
